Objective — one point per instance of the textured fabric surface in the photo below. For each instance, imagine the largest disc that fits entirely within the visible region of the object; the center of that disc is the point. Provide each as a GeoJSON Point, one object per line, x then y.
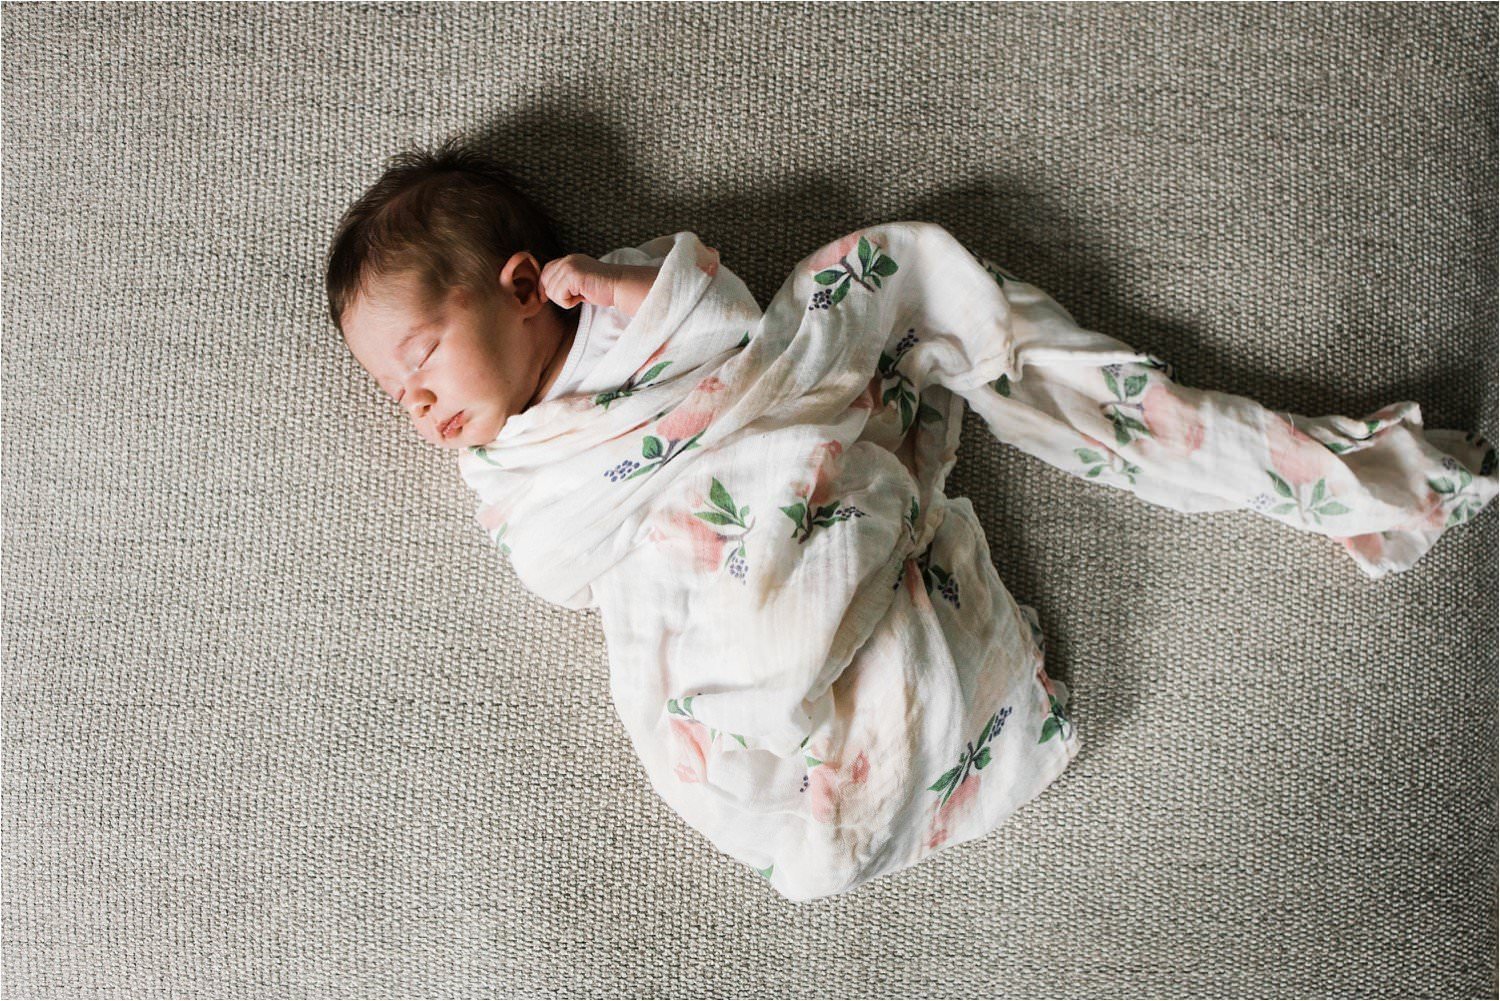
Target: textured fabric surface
{"type": "Point", "coordinates": [277, 725]}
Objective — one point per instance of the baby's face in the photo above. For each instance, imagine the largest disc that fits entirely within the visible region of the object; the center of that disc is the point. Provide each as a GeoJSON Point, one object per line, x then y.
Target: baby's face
{"type": "Point", "coordinates": [480, 361]}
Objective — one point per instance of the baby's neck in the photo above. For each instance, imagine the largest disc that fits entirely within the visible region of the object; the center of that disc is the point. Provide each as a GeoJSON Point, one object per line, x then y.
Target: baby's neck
{"type": "Point", "coordinates": [567, 329]}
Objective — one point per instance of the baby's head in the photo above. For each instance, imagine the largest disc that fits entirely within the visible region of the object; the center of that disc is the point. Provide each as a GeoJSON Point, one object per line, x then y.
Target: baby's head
{"type": "Point", "coordinates": [433, 280]}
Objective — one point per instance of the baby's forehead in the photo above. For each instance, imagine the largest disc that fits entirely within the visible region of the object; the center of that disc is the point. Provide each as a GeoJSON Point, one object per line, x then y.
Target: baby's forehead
{"type": "Point", "coordinates": [383, 310]}
{"type": "Point", "coordinates": [390, 293]}
{"type": "Point", "coordinates": [380, 317]}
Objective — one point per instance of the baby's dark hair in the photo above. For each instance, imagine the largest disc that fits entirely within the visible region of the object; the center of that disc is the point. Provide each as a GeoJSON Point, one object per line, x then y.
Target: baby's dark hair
{"type": "Point", "coordinates": [449, 217]}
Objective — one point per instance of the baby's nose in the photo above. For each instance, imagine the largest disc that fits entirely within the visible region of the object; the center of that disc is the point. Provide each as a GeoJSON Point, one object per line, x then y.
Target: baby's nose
{"type": "Point", "coordinates": [419, 404]}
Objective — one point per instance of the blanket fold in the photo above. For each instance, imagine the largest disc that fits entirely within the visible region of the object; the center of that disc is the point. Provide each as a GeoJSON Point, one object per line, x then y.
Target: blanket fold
{"type": "Point", "coordinates": [809, 645]}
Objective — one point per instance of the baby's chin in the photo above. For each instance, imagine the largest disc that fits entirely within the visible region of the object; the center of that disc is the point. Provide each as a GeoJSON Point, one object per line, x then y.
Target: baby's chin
{"type": "Point", "coordinates": [479, 430]}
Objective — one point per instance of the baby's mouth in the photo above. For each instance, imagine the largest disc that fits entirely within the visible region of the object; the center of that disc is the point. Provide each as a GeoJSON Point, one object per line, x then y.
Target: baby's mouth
{"type": "Point", "coordinates": [455, 423]}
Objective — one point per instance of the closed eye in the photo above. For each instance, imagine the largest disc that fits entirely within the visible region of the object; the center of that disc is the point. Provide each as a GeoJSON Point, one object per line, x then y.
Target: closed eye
{"type": "Point", "coordinates": [419, 365]}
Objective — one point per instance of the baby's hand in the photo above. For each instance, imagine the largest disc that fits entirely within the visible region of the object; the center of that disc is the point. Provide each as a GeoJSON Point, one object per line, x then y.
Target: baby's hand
{"type": "Point", "coordinates": [577, 278]}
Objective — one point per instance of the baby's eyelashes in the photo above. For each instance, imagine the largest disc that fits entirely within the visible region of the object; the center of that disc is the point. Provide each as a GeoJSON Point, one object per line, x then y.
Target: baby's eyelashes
{"type": "Point", "coordinates": [419, 365]}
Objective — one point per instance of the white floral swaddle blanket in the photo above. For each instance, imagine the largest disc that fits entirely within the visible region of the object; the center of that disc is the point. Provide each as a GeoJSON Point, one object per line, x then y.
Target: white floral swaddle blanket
{"type": "Point", "coordinates": [809, 644]}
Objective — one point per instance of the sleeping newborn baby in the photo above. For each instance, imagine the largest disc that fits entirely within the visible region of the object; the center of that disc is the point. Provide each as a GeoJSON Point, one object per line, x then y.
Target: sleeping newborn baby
{"type": "Point", "coordinates": [462, 362]}
{"type": "Point", "coordinates": [809, 645]}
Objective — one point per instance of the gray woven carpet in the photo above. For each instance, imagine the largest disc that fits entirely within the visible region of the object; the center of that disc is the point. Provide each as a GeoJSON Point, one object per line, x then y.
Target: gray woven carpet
{"type": "Point", "coordinates": [278, 721]}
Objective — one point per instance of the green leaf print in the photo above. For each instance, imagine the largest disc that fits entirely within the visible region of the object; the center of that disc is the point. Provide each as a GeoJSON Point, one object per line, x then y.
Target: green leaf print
{"type": "Point", "coordinates": [937, 577]}
{"type": "Point", "coordinates": [483, 453]}
{"type": "Point", "coordinates": [685, 708]}
{"type": "Point", "coordinates": [629, 386]}
{"type": "Point", "coordinates": [945, 781]}
{"type": "Point", "coordinates": [902, 392]}
{"type": "Point", "coordinates": [728, 515]}
{"type": "Point", "coordinates": [804, 518]}
{"type": "Point", "coordinates": [1096, 464]}
{"type": "Point", "coordinates": [1462, 512]}
{"type": "Point", "coordinates": [1109, 381]}
{"type": "Point", "coordinates": [1127, 428]}
{"type": "Point", "coordinates": [720, 496]}
{"type": "Point", "coordinates": [912, 408]}
{"type": "Point", "coordinates": [656, 454]}
{"type": "Point", "coordinates": [1055, 724]}
{"type": "Point", "coordinates": [873, 265]}
{"type": "Point", "coordinates": [1456, 492]}
{"type": "Point", "coordinates": [1339, 447]}
{"type": "Point", "coordinates": [652, 373]}
{"type": "Point", "coordinates": [1318, 505]}
{"type": "Point", "coordinates": [975, 755]}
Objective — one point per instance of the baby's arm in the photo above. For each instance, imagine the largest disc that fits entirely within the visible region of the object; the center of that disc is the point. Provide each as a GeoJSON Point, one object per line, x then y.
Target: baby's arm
{"type": "Point", "coordinates": [631, 284]}
{"type": "Point", "coordinates": [577, 278]}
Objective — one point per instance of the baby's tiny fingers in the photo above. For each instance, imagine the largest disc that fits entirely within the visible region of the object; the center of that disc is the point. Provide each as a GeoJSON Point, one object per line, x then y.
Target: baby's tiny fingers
{"type": "Point", "coordinates": [555, 284]}
{"type": "Point", "coordinates": [549, 275]}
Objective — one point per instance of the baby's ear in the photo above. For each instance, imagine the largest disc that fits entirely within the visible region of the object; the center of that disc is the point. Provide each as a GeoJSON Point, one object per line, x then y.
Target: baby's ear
{"type": "Point", "coordinates": [521, 275]}
{"type": "Point", "coordinates": [520, 261]}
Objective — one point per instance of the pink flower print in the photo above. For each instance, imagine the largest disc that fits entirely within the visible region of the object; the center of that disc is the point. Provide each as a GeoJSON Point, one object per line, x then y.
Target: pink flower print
{"type": "Point", "coordinates": [832, 253]}
{"type": "Point", "coordinates": [1370, 546]}
{"type": "Point", "coordinates": [827, 473]}
{"type": "Point", "coordinates": [683, 423]}
{"type": "Point", "coordinates": [491, 516]}
{"type": "Point", "coordinates": [708, 260]}
{"type": "Point", "coordinates": [1429, 515]}
{"type": "Point", "coordinates": [1041, 675]}
{"type": "Point", "coordinates": [1436, 516]}
{"type": "Point", "coordinates": [860, 770]}
{"type": "Point", "coordinates": [1297, 458]}
{"type": "Point", "coordinates": [870, 398]}
{"type": "Point", "coordinates": [655, 355]}
{"type": "Point", "coordinates": [826, 793]}
{"type": "Point", "coordinates": [822, 794]}
{"type": "Point", "coordinates": [952, 810]}
{"type": "Point", "coordinates": [693, 414]}
{"type": "Point", "coordinates": [710, 385]}
{"type": "Point", "coordinates": [1175, 425]}
{"type": "Point", "coordinates": [690, 748]}
{"type": "Point", "coordinates": [913, 578]}
{"type": "Point", "coordinates": [706, 545]}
